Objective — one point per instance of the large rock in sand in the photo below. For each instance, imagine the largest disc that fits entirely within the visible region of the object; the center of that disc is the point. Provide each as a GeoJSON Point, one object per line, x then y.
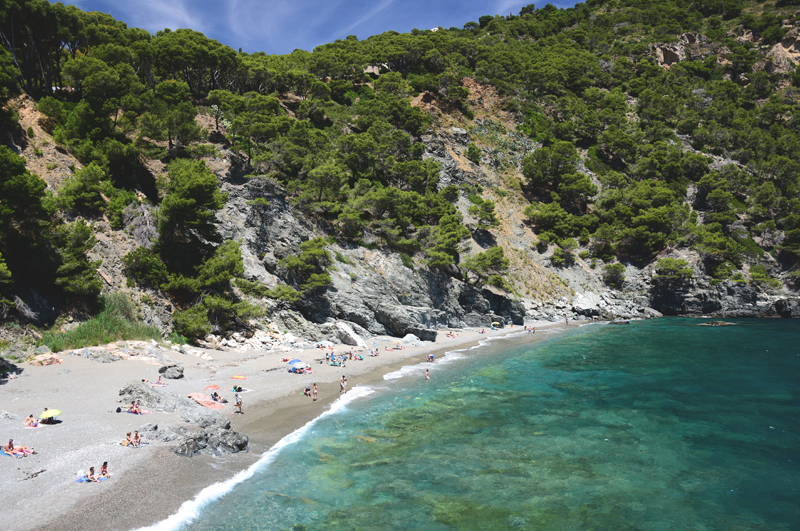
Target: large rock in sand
{"type": "Point", "coordinates": [171, 371]}
{"type": "Point", "coordinates": [348, 336]}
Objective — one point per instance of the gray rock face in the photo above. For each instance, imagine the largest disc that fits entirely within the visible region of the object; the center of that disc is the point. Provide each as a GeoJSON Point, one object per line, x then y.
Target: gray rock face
{"type": "Point", "coordinates": [171, 371]}
{"type": "Point", "coordinates": [205, 430]}
{"type": "Point", "coordinates": [373, 292]}
{"type": "Point", "coordinates": [348, 336]}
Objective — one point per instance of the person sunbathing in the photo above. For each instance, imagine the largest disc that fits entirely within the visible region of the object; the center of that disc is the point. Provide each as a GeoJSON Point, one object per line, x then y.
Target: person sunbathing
{"type": "Point", "coordinates": [159, 382]}
{"type": "Point", "coordinates": [30, 422]}
{"type": "Point", "coordinates": [104, 471]}
{"type": "Point", "coordinates": [16, 451]}
{"type": "Point", "coordinates": [128, 440]}
{"type": "Point", "coordinates": [91, 476]}
{"type": "Point", "coordinates": [137, 440]}
{"type": "Point", "coordinates": [134, 408]}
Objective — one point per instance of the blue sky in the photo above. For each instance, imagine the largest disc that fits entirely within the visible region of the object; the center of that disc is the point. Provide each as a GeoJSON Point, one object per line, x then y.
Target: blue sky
{"type": "Point", "coordinates": [280, 26]}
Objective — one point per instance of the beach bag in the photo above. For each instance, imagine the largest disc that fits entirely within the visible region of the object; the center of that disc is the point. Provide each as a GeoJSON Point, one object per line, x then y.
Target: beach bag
{"type": "Point", "coordinates": [119, 410]}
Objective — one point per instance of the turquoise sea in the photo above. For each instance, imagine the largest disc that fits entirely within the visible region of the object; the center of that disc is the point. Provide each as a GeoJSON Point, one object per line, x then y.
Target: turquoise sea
{"type": "Point", "coordinates": [658, 425]}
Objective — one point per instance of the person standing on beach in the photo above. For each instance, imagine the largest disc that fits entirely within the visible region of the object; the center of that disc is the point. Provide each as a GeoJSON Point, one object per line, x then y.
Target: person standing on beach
{"type": "Point", "coordinates": [566, 320]}
{"type": "Point", "coordinates": [239, 403]}
{"type": "Point", "coordinates": [427, 376]}
{"type": "Point", "coordinates": [314, 392]}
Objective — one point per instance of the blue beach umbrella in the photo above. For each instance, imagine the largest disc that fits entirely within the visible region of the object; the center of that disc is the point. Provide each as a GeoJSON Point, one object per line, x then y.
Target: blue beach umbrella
{"type": "Point", "coordinates": [296, 362]}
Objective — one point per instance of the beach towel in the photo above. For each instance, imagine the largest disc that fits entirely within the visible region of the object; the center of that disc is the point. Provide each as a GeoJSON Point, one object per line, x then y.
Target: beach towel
{"type": "Point", "coordinates": [144, 412]}
{"type": "Point", "coordinates": [3, 452]}
{"type": "Point", "coordinates": [124, 442]}
{"type": "Point", "coordinates": [86, 480]}
{"type": "Point", "coordinates": [32, 427]}
{"type": "Point", "coordinates": [205, 401]}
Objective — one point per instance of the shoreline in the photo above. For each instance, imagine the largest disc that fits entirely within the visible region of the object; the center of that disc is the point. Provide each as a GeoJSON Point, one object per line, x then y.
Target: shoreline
{"type": "Point", "coordinates": [273, 410]}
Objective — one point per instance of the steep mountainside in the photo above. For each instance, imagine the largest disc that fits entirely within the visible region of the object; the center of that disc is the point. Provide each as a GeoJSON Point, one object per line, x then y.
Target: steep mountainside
{"type": "Point", "coordinates": [615, 159]}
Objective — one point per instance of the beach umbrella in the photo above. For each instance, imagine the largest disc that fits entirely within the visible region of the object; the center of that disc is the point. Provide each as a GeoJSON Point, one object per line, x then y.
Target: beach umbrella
{"type": "Point", "coordinates": [238, 377]}
{"type": "Point", "coordinates": [295, 361]}
{"type": "Point", "coordinates": [214, 387]}
{"type": "Point", "coordinates": [50, 413]}
{"type": "Point", "coordinates": [397, 341]}
{"type": "Point", "coordinates": [495, 323]}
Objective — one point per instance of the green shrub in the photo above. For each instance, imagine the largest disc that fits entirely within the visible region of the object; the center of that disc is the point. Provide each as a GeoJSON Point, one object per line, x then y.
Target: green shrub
{"type": "Point", "coordinates": [31, 133]}
{"type": "Point", "coordinates": [614, 275]}
{"type": "Point", "coordinates": [214, 313]}
{"type": "Point", "coordinates": [76, 275]}
{"type": "Point", "coordinates": [115, 322]}
{"type": "Point", "coordinates": [759, 275]}
{"type": "Point", "coordinates": [145, 267]}
{"type": "Point", "coordinates": [673, 269]}
{"type": "Point", "coordinates": [340, 258]}
{"type": "Point", "coordinates": [178, 339]}
{"type": "Point", "coordinates": [119, 202]}
{"type": "Point", "coordinates": [473, 153]}
{"type": "Point", "coordinates": [407, 261]}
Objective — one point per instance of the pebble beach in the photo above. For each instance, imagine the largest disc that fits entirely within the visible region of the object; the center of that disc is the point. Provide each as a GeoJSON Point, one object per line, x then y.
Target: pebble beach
{"type": "Point", "coordinates": [148, 484]}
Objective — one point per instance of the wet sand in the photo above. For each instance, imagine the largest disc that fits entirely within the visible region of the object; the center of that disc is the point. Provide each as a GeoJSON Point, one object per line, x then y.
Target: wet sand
{"type": "Point", "coordinates": [151, 483]}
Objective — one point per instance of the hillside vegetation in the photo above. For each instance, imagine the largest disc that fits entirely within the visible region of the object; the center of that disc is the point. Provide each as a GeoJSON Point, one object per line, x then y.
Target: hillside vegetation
{"type": "Point", "coordinates": [651, 126]}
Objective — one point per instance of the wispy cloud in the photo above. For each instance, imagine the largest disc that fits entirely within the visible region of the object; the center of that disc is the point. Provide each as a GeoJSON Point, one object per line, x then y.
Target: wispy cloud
{"type": "Point", "coordinates": [504, 7]}
{"type": "Point", "coordinates": [374, 11]}
{"type": "Point", "coordinates": [155, 15]}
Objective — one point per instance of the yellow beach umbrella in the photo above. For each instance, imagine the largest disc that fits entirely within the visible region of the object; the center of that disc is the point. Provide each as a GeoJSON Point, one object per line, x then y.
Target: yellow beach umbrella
{"type": "Point", "coordinates": [50, 413]}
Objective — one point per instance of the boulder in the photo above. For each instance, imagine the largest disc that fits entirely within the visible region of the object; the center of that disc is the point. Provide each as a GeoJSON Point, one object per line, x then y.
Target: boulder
{"type": "Point", "coordinates": [46, 359]}
{"type": "Point", "coordinates": [154, 398]}
{"type": "Point", "coordinates": [254, 270]}
{"type": "Point", "coordinates": [460, 135]}
{"type": "Point", "coordinates": [214, 441]}
{"type": "Point", "coordinates": [171, 371]}
{"type": "Point", "coordinates": [424, 334]}
{"type": "Point", "coordinates": [348, 336]}
{"type": "Point", "coordinates": [410, 340]}
{"type": "Point", "coordinates": [586, 304]}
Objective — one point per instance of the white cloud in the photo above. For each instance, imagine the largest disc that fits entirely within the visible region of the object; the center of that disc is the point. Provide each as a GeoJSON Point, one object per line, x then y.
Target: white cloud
{"type": "Point", "coordinates": [374, 11]}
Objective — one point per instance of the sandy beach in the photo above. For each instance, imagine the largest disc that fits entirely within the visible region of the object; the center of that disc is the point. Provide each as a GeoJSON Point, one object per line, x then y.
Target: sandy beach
{"type": "Point", "coordinates": [149, 484]}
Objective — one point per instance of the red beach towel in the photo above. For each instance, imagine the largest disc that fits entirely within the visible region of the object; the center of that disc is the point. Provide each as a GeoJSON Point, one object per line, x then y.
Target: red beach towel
{"type": "Point", "coordinates": [205, 401]}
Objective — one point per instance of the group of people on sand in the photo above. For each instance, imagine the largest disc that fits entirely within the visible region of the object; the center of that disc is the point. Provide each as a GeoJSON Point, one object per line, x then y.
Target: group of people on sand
{"type": "Point", "coordinates": [17, 451]}
{"type": "Point", "coordinates": [135, 408]}
{"type": "Point", "coordinates": [135, 441]}
{"type": "Point", "coordinates": [103, 474]}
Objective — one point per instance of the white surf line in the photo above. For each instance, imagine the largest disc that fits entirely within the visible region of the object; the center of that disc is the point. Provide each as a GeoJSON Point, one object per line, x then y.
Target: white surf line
{"type": "Point", "coordinates": [190, 510]}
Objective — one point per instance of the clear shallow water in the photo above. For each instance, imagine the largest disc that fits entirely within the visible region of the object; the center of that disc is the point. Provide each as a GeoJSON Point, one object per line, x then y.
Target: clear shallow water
{"type": "Point", "coordinates": [659, 425]}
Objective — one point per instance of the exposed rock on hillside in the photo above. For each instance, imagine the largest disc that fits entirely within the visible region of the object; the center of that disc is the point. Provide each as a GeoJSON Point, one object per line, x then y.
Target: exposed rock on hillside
{"type": "Point", "coordinates": [372, 289]}
{"type": "Point", "coordinates": [690, 47]}
{"type": "Point", "coordinates": [783, 57]}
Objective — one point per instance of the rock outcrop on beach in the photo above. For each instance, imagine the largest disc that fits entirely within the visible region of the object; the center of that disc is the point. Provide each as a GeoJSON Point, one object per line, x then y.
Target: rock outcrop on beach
{"type": "Point", "coordinates": [203, 431]}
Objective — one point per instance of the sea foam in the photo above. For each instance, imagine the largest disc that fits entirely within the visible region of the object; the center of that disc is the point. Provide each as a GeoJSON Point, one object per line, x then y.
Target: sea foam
{"type": "Point", "coordinates": [191, 509]}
